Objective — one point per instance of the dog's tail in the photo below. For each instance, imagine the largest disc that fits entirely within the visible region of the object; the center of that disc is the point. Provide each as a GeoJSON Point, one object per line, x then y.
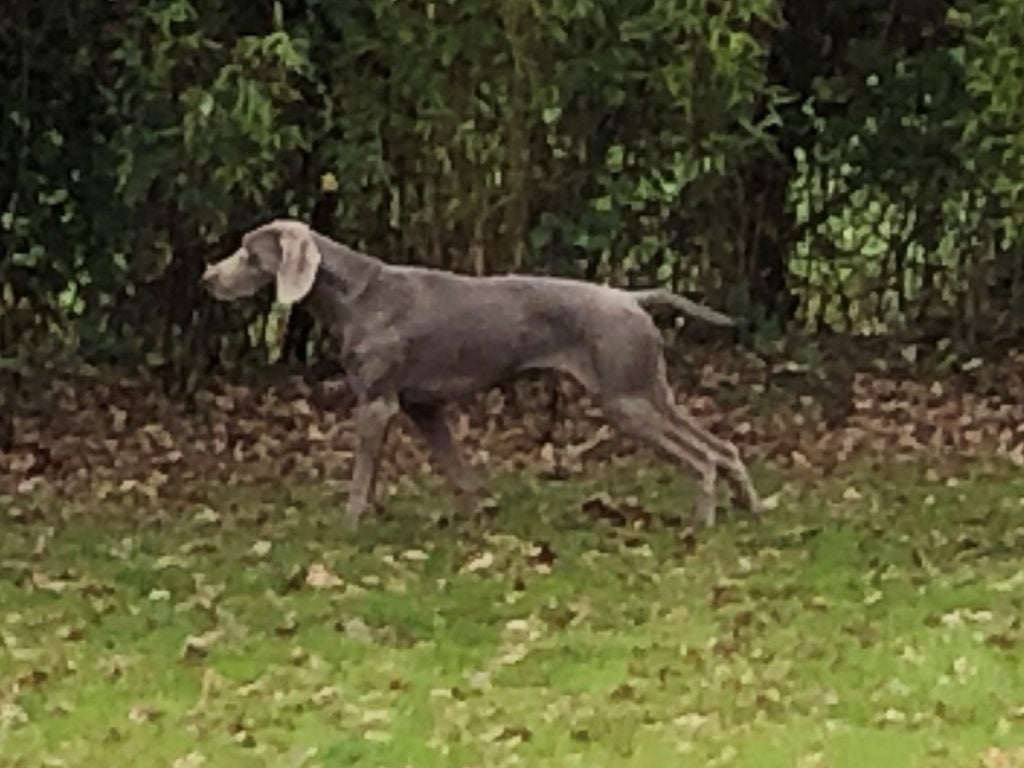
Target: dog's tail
{"type": "Point", "coordinates": [655, 297]}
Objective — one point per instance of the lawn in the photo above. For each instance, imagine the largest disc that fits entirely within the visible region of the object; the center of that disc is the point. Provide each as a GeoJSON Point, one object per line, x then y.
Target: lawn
{"type": "Point", "coordinates": [873, 619]}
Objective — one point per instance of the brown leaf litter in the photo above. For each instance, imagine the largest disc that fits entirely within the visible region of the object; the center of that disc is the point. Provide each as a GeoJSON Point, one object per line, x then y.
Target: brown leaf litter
{"type": "Point", "coordinates": [114, 434]}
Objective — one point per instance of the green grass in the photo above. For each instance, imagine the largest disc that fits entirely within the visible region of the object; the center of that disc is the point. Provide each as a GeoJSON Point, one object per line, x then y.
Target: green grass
{"type": "Point", "coordinates": [872, 620]}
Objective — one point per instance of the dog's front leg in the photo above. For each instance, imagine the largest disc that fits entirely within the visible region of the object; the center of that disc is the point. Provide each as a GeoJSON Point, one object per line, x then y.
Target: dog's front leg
{"type": "Point", "coordinates": [372, 419]}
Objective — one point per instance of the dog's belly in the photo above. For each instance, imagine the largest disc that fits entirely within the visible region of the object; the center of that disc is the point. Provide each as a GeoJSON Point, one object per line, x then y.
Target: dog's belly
{"type": "Point", "coordinates": [453, 389]}
{"type": "Point", "coordinates": [462, 367]}
{"type": "Point", "coordinates": [464, 377]}
{"type": "Point", "coordinates": [452, 384]}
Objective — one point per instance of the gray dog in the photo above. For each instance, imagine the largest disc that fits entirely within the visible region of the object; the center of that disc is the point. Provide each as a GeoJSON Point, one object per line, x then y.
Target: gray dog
{"type": "Point", "coordinates": [414, 338]}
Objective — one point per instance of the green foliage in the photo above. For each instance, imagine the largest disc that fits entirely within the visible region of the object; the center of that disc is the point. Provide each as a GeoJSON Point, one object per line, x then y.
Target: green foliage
{"type": "Point", "coordinates": [863, 157]}
{"type": "Point", "coordinates": [993, 136]}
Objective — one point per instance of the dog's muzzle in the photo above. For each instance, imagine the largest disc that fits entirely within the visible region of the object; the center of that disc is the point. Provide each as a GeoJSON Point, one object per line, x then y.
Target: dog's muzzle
{"type": "Point", "coordinates": [211, 281]}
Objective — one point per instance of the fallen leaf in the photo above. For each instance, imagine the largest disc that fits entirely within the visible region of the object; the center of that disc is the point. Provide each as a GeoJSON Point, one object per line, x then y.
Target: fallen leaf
{"type": "Point", "coordinates": [191, 760]}
{"type": "Point", "coordinates": [287, 626]}
{"type": "Point", "coordinates": [479, 563]}
{"type": "Point", "coordinates": [207, 516]}
{"type": "Point", "coordinates": [44, 582]}
{"type": "Point", "coordinates": [198, 646]}
{"type": "Point", "coordinates": [357, 629]}
{"type": "Point", "coordinates": [996, 757]}
{"type": "Point", "coordinates": [319, 577]}
{"type": "Point", "coordinates": [261, 548]}
{"type": "Point", "coordinates": [142, 714]}
{"type": "Point", "coordinates": [11, 715]}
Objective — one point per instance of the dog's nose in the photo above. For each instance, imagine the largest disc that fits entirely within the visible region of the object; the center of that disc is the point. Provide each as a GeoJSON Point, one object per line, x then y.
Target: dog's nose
{"type": "Point", "coordinates": [209, 276]}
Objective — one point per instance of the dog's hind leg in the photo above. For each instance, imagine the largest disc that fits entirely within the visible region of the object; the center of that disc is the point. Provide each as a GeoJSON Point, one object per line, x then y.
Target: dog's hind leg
{"type": "Point", "coordinates": [637, 417]}
{"type": "Point", "coordinates": [689, 431]}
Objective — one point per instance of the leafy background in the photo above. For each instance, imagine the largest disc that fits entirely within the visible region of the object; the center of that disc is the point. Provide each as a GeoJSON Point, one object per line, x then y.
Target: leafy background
{"type": "Point", "coordinates": [852, 167]}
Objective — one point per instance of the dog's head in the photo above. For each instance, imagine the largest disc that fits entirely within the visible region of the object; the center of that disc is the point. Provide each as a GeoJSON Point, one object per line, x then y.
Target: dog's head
{"type": "Point", "coordinates": [282, 251]}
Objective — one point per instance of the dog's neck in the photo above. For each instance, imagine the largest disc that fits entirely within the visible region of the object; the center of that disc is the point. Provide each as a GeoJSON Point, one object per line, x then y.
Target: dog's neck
{"type": "Point", "coordinates": [344, 274]}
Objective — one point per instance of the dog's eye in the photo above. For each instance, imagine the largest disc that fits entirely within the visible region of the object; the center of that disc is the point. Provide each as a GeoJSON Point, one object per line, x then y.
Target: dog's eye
{"type": "Point", "coordinates": [251, 259]}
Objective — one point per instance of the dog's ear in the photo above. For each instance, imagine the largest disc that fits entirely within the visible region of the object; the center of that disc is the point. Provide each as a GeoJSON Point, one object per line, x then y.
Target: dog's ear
{"type": "Point", "coordinates": [300, 260]}
{"type": "Point", "coordinates": [287, 250]}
